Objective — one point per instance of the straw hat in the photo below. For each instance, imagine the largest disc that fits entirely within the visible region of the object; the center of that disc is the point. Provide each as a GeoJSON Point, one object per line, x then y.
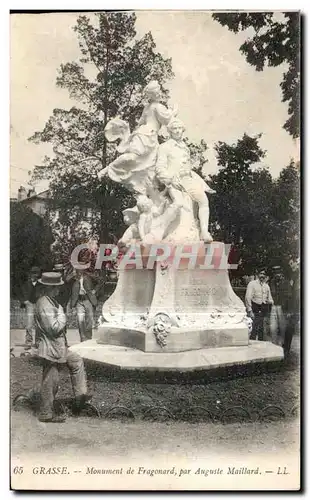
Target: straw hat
{"type": "Point", "coordinates": [51, 279]}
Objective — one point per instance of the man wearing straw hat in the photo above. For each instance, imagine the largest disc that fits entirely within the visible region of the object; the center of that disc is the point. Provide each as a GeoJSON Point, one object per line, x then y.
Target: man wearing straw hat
{"type": "Point", "coordinates": [50, 321]}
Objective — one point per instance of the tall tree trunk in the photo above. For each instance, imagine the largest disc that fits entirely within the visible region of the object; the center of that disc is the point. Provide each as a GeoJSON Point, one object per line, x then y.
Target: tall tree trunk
{"type": "Point", "coordinates": [105, 99]}
{"type": "Point", "coordinates": [103, 235]}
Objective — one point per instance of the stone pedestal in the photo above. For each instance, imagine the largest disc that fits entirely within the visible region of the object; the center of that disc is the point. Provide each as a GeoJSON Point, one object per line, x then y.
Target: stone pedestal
{"type": "Point", "coordinates": [175, 306]}
{"type": "Point", "coordinates": [209, 359]}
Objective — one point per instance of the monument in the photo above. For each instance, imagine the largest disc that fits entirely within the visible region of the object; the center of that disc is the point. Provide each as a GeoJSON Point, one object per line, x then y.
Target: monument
{"type": "Point", "coordinates": [173, 307]}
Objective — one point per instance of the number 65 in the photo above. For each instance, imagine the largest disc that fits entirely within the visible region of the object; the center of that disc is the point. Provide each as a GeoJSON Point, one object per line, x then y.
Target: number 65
{"type": "Point", "coordinates": [18, 470]}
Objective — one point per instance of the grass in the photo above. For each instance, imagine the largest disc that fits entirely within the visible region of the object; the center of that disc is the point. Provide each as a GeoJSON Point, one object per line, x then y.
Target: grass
{"type": "Point", "coordinates": [234, 395]}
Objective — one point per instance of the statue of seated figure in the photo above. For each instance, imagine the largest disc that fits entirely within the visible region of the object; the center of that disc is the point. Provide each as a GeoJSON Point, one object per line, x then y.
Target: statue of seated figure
{"type": "Point", "coordinates": [174, 170]}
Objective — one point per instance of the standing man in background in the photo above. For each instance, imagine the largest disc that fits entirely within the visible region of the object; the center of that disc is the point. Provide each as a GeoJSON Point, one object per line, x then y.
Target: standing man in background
{"type": "Point", "coordinates": [30, 291]}
{"type": "Point", "coordinates": [64, 293]}
{"type": "Point", "coordinates": [63, 296]}
{"type": "Point", "coordinates": [280, 293]}
{"type": "Point", "coordinates": [293, 313]}
{"type": "Point", "coordinates": [258, 299]}
{"type": "Point", "coordinates": [84, 299]}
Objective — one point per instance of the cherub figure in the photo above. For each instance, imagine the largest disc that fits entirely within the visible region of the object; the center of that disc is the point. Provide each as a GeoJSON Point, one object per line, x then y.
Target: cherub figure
{"type": "Point", "coordinates": [131, 217]}
{"type": "Point", "coordinates": [147, 212]}
{"type": "Point", "coordinates": [147, 221]}
{"type": "Point", "coordinates": [139, 219]}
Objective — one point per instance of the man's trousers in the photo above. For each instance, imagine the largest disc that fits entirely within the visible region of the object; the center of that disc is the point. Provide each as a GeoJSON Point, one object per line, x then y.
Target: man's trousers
{"type": "Point", "coordinates": [260, 312]}
{"type": "Point", "coordinates": [277, 325]}
{"type": "Point", "coordinates": [29, 323]}
{"type": "Point", "coordinates": [50, 379]}
{"type": "Point", "coordinates": [85, 317]}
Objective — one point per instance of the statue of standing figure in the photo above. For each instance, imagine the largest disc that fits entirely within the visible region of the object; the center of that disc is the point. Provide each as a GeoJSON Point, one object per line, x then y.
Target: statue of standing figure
{"type": "Point", "coordinates": [144, 166]}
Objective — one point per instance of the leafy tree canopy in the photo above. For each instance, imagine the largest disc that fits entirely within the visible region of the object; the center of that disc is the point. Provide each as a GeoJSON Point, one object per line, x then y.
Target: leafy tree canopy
{"type": "Point", "coordinates": [120, 65]}
{"type": "Point", "coordinates": [30, 242]}
{"type": "Point", "coordinates": [257, 214]}
{"type": "Point", "coordinates": [273, 43]}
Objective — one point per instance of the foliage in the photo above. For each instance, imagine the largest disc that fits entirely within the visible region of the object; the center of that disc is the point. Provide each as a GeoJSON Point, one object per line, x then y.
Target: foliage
{"type": "Point", "coordinates": [285, 213]}
{"type": "Point", "coordinates": [250, 210]}
{"type": "Point", "coordinates": [84, 209]}
{"type": "Point", "coordinates": [107, 81]}
{"type": "Point", "coordinates": [197, 151]}
{"type": "Point", "coordinates": [30, 241]}
{"type": "Point", "coordinates": [274, 42]}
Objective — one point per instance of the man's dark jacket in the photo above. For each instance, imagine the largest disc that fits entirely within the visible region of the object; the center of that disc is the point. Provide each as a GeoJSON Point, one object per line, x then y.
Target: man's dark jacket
{"type": "Point", "coordinates": [89, 289]}
{"type": "Point", "coordinates": [30, 292]}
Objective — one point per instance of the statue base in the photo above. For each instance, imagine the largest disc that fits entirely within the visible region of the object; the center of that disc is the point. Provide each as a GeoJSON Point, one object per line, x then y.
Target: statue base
{"type": "Point", "coordinates": [175, 318]}
{"type": "Point", "coordinates": [178, 340]}
{"type": "Point", "coordinates": [125, 358]}
{"type": "Point", "coordinates": [175, 305]}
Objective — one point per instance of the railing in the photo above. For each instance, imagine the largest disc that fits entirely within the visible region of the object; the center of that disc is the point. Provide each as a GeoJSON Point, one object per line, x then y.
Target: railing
{"type": "Point", "coordinates": [18, 317]}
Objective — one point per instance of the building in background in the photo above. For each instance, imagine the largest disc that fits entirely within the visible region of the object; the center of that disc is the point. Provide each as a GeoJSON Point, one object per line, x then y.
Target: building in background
{"type": "Point", "coordinates": [38, 202]}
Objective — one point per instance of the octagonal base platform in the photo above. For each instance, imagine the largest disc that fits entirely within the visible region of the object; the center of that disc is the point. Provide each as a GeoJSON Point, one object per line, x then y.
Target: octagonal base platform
{"type": "Point", "coordinates": [203, 359]}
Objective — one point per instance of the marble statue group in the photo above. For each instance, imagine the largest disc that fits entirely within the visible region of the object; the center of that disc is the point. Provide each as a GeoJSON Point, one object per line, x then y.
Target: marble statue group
{"type": "Point", "coordinates": [170, 307]}
{"type": "Point", "coordinates": [172, 203]}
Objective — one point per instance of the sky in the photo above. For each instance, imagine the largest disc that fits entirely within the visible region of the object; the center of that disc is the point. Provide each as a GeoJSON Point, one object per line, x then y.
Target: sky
{"type": "Point", "coordinates": [219, 95]}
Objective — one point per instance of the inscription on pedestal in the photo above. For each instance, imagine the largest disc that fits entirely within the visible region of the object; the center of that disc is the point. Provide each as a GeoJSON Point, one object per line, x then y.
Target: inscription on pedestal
{"type": "Point", "coordinates": [199, 289]}
{"type": "Point", "coordinates": [202, 295]}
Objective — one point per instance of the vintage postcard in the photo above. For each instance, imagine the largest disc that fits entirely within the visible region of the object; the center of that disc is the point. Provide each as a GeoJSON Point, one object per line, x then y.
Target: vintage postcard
{"type": "Point", "coordinates": [155, 253]}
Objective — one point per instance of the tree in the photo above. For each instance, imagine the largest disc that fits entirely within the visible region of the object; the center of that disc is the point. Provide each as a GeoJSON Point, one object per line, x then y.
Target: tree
{"type": "Point", "coordinates": [285, 212]}
{"type": "Point", "coordinates": [239, 208]}
{"type": "Point", "coordinates": [30, 242]}
{"type": "Point", "coordinates": [122, 66]}
{"type": "Point", "coordinates": [274, 42]}
{"type": "Point", "coordinates": [197, 154]}
{"type": "Point", "coordinates": [258, 215]}
{"type": "Point", "coordinates": [232, 185]}
{"type": "Point", "coordinates": [83, 207]}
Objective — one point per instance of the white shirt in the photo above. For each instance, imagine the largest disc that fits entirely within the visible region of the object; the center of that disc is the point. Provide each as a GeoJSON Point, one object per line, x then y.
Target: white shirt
{"type": "Point", "coordinates": [82, 289]}
{"type": "Point", "coordinates": [257, 292]}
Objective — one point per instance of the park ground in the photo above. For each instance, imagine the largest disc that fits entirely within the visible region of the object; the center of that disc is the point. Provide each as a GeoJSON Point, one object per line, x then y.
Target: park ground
{"type": "Point", "coordinates": [253, 414]}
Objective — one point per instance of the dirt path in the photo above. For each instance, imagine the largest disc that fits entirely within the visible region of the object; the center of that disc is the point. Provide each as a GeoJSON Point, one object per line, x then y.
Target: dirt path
{"type": "Point", "coordinates": [103, 442]}
{"type": "Point", "coordinates": [115, 438]}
